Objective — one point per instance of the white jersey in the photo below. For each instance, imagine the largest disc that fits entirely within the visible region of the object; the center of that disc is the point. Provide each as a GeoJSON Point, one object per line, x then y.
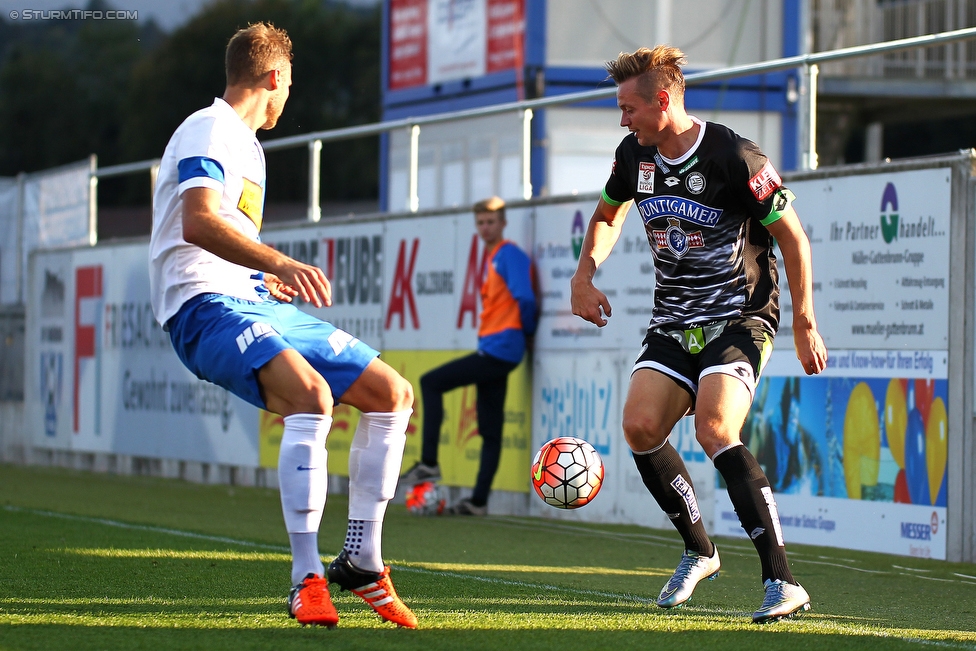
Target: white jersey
{"type": "Point", "coordinates": [213, 148]}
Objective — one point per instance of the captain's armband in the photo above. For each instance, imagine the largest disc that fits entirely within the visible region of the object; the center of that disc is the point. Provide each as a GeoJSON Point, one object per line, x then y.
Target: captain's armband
{"type": "Point", "coordinates": [782, 200]}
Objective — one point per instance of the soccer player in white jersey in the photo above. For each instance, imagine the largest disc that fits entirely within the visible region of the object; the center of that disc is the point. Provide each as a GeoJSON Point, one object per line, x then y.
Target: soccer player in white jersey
{"type": "Point", "coordinates": [711, 204]}
{"type": "Point", "coordinates": [225, 299]}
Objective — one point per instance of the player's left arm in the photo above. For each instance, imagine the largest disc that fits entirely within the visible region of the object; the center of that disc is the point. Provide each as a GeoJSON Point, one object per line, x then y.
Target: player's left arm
{"type": "Point", "coordinates": [795, 248]}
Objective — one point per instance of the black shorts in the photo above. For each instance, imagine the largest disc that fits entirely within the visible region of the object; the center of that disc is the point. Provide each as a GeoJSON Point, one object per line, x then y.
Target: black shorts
{"type": "Point", "coordinates": [737, 347]}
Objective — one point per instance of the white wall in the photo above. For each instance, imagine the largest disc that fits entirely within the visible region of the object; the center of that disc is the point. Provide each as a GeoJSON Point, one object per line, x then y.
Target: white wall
{"type": "Point", "coordinates": [712, 33]}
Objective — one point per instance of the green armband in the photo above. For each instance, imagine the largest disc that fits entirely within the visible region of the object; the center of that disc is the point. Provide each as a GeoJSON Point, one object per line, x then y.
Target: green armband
{"type": "Point", "coordinates": [782, 200]}
{"type": "Point", "coordinates": [610, 201]}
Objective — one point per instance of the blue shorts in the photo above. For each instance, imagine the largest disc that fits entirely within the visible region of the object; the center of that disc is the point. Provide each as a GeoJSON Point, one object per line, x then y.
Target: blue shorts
{"type": "Point", "coordinates": [225, 340]}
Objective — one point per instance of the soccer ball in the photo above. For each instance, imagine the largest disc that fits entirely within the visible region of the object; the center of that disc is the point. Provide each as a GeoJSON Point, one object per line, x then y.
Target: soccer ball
{"type": "Point", "coordinates": [426, 498]}
{"type": "Point", "coordinates": [567, 472]}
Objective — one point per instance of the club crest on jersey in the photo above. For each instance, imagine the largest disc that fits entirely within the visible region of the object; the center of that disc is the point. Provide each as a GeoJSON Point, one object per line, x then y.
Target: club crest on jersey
{"type": "Point", "coordinates": [695, 183]}
{"type": "Point", "coordinates": [645, 178]}
{"type": "Point", "coordinates": [676, 240]}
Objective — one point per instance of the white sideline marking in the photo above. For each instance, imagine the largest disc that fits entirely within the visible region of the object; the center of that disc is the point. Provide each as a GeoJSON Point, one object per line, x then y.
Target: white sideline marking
{"type": "Point", "coordinates": [910, 569]}
{"type": "Point", "coordinates": [935, 578]}
{"type": "Point", "coordinates": [650, 539]}
{"type": "Point", "coordinates": [144, 527]}
{"type": "Point", "coordinates": [485, 579]}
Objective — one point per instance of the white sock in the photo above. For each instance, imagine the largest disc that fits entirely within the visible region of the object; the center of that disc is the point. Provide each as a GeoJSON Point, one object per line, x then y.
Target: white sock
{"type": "Point", "coordinates": [305, 557]}
{"type": "Point", "coordinates": [363, 544]}
{"type": "Point", "coordinates": [374, 468]}
{"type": "Point", "coordinates": [303, 482]}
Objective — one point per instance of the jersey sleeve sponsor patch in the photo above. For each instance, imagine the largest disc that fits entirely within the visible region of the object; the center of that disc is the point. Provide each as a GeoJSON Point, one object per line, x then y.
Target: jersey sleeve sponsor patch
{"type": "Point", "coordinates": [251, 202]}
{"type": "Point", "coordinates": [765, 182]}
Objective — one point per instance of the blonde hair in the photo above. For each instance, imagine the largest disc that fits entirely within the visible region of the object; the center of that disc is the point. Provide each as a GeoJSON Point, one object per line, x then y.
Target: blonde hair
{"type": "Point", "coordinates": [255, 51]}
{"type": "Point", "coordinates": [491, 204]}
{"type": "Point", "coordinates": [657, 69]}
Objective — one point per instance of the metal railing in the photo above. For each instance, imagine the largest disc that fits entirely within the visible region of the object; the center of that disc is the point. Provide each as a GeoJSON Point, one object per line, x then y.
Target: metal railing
{"type": "Point", "coordinates": [808, 63]}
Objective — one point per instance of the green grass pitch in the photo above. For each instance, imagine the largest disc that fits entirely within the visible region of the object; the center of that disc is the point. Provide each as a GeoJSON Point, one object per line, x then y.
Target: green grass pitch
{"type": "Point", "coordinates": [94, 561]}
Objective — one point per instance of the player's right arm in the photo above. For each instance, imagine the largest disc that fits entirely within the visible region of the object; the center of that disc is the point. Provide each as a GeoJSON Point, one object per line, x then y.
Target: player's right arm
{"type": "Point", "coordinates": [203, 227]}
{"type": "Point", "coordinates": [602, 233]}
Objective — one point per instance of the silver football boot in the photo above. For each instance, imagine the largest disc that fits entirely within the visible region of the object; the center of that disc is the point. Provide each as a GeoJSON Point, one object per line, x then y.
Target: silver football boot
{"type": "Point", "coordinates": [692, 569]}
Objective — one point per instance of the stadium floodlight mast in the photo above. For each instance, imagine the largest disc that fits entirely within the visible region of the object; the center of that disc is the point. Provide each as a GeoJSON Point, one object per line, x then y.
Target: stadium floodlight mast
{"type": "Point", "coordinates": [806, 62]}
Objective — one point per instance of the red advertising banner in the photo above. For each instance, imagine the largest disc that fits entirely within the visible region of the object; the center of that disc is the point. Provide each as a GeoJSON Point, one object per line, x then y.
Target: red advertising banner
{"type": "Point", "coordinates": [506, 30]}
{"type": "Point", "coordinates": [408, 44]}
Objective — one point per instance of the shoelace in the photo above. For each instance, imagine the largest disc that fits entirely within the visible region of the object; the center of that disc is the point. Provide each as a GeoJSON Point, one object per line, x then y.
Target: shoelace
{"type": "Point", "coordinates": [684, 568]}
{"type": "Point", "coordinates": [315, 595]}
{"type": "Point", "coordinates": [775, 593]}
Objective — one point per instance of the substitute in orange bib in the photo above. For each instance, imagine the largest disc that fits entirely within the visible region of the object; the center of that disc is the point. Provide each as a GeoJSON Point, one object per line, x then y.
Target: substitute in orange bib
{"type": "Point", "coordinates": [508, 317]}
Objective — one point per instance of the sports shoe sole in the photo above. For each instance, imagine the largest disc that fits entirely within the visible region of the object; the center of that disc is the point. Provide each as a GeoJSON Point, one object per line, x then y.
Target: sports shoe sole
{"type": "Point", "coordinates": [775, 618]}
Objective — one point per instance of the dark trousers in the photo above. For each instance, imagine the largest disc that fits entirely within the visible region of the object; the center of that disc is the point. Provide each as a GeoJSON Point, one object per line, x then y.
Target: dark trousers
{"type": "Point", "coordinates": [490, 376]}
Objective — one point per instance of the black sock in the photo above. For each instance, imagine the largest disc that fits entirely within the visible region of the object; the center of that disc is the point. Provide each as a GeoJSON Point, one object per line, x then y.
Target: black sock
{"type": "Point", "coordinates": [753, 501]}
{"type": "Point", "coordinates": [667, 479]}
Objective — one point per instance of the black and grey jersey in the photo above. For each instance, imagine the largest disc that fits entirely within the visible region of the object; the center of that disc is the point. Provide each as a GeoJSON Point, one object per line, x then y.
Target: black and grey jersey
{"type": "Point", "coordinates": [704, 215]}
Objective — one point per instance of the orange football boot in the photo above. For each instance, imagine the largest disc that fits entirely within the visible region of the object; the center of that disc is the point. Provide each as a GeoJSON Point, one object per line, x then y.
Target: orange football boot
{"type": "Point", "coordinates": [375, 588]}
{"type": "Point", "coordinates": [309, 603]}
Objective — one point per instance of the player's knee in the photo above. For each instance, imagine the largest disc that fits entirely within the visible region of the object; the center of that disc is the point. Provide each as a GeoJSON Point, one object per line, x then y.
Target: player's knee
{"type": "Point", "coordinates": [643, 431]}
{"type": "Point", "coordinates": [315, 397]}
{"type": "Point", "coordinates": [401, 394]}
{"type": "Point", "coordinates": [323, 398]}
{"type": "Point", "coordinates": [713, 434]}
{"type": "Point", "coordinates": [393, 393]}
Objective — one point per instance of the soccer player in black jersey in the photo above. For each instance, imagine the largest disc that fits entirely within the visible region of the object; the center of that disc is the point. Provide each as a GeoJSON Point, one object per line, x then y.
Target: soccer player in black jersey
{"type": "Point", "coordinates": [711, 204]}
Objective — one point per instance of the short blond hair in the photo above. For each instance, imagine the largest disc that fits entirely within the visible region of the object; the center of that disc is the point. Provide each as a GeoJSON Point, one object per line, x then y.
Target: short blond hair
{"type": "Point", "coordinates": [657, 69]}
{"type": "Point", "coordinates": [491, 204]}
{"type": "Point", "coordinates": [255, 51]}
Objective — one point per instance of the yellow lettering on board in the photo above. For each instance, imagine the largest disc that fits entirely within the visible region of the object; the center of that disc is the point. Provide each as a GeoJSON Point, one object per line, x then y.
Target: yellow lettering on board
{"type": "Point", "coordinates": [251, 202]}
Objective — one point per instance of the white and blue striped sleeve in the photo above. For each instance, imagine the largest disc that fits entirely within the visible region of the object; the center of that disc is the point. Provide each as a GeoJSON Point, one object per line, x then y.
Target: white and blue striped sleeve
{"type": "Point", "coordinates": [200, 172]}
{"type": "Point", "coordinates": [198, 158]}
